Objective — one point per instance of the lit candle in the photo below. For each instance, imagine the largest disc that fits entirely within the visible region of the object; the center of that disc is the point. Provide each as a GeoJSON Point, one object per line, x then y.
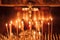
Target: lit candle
{"type": "Point", "coordinates": [35, 9]}
{"type": "Point", "coordinates": [30, 25]}
{"type": "Point", "coordinates": [51, 27]}
{"type": "Point", "coordinates": [22, 25]}
{"type": "Point", "coordinates": [11, 22]}
{"type": "Point", "coordinates": [7, 27]}
{"type": "Point", "coordinates": [6, 24]}
{"type": "Point", "coordinates": [34, 35]}
{"type": "Point", "coordinates": [48, 27]}
{"type": "Point", "coordinates": [10, 27]}
{"type": "Point", "coordinates": [43, 18]}
{"type": "Point", "coordinates": [48, 30]}
{"type": "Point", "coordinates": [42, 28]}
{"type": "Point", "coordinates": [37, 26]}
{"type": "Point", "coordinates": [19, 23]}
{"type": "Point", "coordinates": [19, 26]}
{"type": "Point", "coordinates": [35, 18]}
{"type": "Point", "coordinates": [39, 35]}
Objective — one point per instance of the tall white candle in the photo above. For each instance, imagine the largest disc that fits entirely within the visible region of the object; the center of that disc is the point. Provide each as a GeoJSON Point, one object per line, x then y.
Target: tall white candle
{"type": "Point", "coordinates": [48, 30]}
{"type": "Point", "coordinates": [51, 27]}
{"type": "Point", "coordinates": [7, 27]}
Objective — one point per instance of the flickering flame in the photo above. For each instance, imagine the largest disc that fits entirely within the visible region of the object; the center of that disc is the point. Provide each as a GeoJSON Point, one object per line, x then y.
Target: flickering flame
{"type": "Point", "coordinates": [39, 33]}
{"type": "Point", "coordinates": [11, 21]}
{"type": "Point", "coordinates": [51, 18]}
{"type": "Point", "coordinates": [48, 23]}
{"type": "Point", "coordinates": [19, 26]}
{"type": "Point", "coordinates": [6, 24]}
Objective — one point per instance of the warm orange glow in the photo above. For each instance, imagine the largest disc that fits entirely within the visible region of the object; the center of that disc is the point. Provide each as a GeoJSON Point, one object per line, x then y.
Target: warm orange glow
{"type": "Point", "coordinates": [41, 21]}
{"type": "Point", "coordinates": [26, 17]}
{"type": "Point", "coordinates": [48, 23]}
{"type": "Point", "coordinates": [39, 18]}
{"type": "Point", "coordinates": [30, 15]}
{"type": "Point", "coordinates": [39, 33]}
{"type": "Point", "coordinates": [51, 19]}
{"type": "Point", "coordinates": [35, 19]}
{"type": "Point", "coordinates": [16, 21]}
{"type": "Point", "coordinates": [25, 9]}
{"type": "Point", "coordinates": [29, 22]}
{"type": "Point", "coordinates": [29, 11]}
{"type": "Point", "coordinates": [43, 18]}
{"type": "Point", "coordinates": [35, 9]}
{"type": "Point", "coordinates": [11, 21]}
{"type": "Point", "coordinates": [36, 23]}
{"type": "Point", "coordinates": [30, 25]}
{"type": "Point", "coordinates": [47, 19]}
{"type": "Point", "coordinates": [6, 24]}
{"type": "Point", "coordinates": [22, 22]}
{"type": "Point", "coordinates": [19, 26]}
{"type": "Point", "coordinates": [34, 32]}
{"type": "Point", "coordinates": [37, 26]}
{"type": "Point", "coordinates": [18, 14]}
{"type": "Point", "coordinates": [9, 24]}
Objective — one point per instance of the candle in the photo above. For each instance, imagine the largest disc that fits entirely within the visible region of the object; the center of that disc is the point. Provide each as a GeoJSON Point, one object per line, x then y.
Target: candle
{"type": "Point", "coordinates": [10, 27]}
{"type": "Point", "coordinates": [53, 37]}
{"type": "Point", "coordinates": [48, 36]}
{"type": "Point", "coordinates": [7, 27]}
{"type": "Point", "coordinates": [37, 26]}
{"type": "Point", "coordinates": [34, 35]}
{"type": "Point", "coordinates": [30, 25]}
{"type": "Point", "coordinates": [48, 30]}
{"type": "Point", "coordinates": [17, 26]}
{"type": "Point", "coordinates": [51, 27]}
{"type": "Point", "coordinates": [39, 35]}
{"type": "Point", "coordinates": [42, 28]}
{"type": "Point", "coordinates": [45, 36]}
{"type": "Point", "coordinates": [22, 25]}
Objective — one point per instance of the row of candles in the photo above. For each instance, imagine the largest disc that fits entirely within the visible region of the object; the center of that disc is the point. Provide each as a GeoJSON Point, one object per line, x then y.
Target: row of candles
{"type": "Point", "coordinates": [20, 24]}
{"type": "Point", "coordinates": [54, 37]}
{"type": "Point", "coordinates": [31, 21]}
